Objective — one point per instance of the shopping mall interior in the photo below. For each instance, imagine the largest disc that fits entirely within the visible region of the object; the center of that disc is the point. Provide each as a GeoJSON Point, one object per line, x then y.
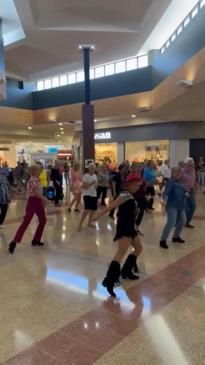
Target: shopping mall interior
{"type": "Point", "coordinates": [102, 98]}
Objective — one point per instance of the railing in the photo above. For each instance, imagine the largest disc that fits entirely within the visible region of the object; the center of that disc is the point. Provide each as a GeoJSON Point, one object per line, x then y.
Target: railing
{"type": "Point", "coordinates": [108, 69]}
{"type": "Point", "coordinates": [183, 25]}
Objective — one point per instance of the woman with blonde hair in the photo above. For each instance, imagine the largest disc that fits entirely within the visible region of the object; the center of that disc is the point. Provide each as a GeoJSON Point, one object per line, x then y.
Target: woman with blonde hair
{"type": "Point", "coordinates": [75, 187]}
{"type": "Point", "coordinates": [35, 205]}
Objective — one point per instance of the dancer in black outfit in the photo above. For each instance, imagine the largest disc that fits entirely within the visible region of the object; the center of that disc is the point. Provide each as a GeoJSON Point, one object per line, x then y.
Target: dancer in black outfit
{"type": "Point", "coordinates": [126, 235]}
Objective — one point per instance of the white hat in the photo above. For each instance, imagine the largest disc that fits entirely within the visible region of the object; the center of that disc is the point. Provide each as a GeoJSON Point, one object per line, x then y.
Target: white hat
{"type": "Point", "coordinates": [188, 159]}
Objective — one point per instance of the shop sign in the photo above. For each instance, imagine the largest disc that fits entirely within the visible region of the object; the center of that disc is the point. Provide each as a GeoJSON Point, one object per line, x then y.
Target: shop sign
{"type": "Point", "coordinates": [53, 150]}
{"type": "Point", "coordinates": [102, 136]}
{"type": "Point", "coordinates": [65, 153]}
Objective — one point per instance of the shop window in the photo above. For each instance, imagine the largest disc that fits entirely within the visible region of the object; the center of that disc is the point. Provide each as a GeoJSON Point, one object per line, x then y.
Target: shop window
{"type": "Point", "coordinates": [71, 78]}
{"type": "Point", "coordinates": [187, 21]}
{"type": "Point", "coordinates": [120, 67]}
{"type": "Point", "coordinates": [202, 3]}
{"type": "Point", "coordinates": [55, 81]}
{"type": "Point", "coordinates": [149, 150]}
{"type": "Point", "coordinates": [142, 61]}
{"type": "Point", "coordinates": [131, 64]}
{"type": "Point", "coordinates": [179, 30]}
{"type": "Point", "coordinates": [92, 73]}
{"type": "Point", "coordinates": [80, 76]}
{"type": "Point", "coordinates": [63, 80]}
{"type": "Point", "coordinates": [168, 44]}
{"type": "Point", "coordinates": [106, 152]}
{"type": "Point", "coordinates": [47, 83]}
{"type": "Point", "coordinates": [162, 50]}
{"type": "Point", "coordinates": [99, 72]}
{"type": "Point", "coordinates": [194, 12]}
{"type": "Point", "coordinates": [40, 85]}
{"type": "Point", "coordinates": [109, 69]}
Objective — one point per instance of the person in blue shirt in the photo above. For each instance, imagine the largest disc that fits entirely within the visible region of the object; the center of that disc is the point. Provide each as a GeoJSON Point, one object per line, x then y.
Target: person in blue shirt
{"type": "Point", "coordinates": [149, 176]}
{"type": "Point", "coordinates": [174, 201]}
{"type": "Point", "coordinates": [5, 169]}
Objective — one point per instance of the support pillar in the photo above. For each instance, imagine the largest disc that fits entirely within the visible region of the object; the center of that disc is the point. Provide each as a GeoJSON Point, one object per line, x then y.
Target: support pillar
{"type": "Point", "coordinates": [2, 67]}
{"type": "Point", "coordinates": [87, 113]}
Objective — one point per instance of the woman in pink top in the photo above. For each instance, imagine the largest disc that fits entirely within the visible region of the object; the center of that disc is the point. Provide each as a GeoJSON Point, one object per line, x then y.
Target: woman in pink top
{"type": "Point", "coordinates": [75, 187]}
{"type": "Point", "coordinates": [35, 205]}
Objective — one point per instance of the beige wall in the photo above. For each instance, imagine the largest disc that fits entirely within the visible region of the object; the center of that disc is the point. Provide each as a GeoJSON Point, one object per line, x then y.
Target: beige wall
{"type": "Point", "coordinates": [9, 156]}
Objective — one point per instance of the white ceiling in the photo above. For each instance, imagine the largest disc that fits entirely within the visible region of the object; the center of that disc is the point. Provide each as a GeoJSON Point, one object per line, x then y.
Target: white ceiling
{"type": "Point", "coordinates": [55, 28]}
{"type": "Point", "coordinates": [11, 26]}
{"type": "Point", "coordinates": [170, 20]}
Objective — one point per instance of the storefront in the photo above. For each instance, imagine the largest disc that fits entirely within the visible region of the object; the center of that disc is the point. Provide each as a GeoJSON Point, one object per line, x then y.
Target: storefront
{"type": "Point", "coordinates": [115, 151]}
{"type": "Point", "coordinates": [160, 141]}
{"type": "Point", "coordinates": [147, 150]}
{"type": "Point", "coordinates": [32, 152]}
{"type": "Point", "coordinates": [106, 152]}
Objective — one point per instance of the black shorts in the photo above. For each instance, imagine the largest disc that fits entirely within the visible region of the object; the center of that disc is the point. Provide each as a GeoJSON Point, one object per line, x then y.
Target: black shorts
{"type": "Point", "coordinates": [90, 202]}
{"type": "Point", "coordinates": [150, 191]}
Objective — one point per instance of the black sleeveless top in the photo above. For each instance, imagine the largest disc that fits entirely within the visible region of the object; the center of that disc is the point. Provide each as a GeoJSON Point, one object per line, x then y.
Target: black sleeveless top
{"type": "Point", "coordinates": [127, 214]}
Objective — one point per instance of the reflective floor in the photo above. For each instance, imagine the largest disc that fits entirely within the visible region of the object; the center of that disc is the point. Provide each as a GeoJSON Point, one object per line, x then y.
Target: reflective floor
{"type": "Point", "coordinates": [53, 309]}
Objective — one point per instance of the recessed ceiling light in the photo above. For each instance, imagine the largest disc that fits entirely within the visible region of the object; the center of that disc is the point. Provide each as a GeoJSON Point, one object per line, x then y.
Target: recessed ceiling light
{"type": "Point", "coordinates": [29, 128]}
{"type": "Point", "coordinates": [95, 120]}
{"type": "Point", "coordinates": [62, 132]}
{"type": "Point", "coordinates": [61, 128]}
{"type": "Point", "coordinates": [86, 46]}
{"type": "Point", "coordinates": [133, 115]}
{"type": "Point", "coordinates": [58, 135]}
{"type": "Point", "coordinates": [60, 123]}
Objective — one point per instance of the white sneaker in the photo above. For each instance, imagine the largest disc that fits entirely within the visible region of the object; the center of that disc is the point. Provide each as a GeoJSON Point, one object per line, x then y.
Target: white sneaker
{"type": "Point", "coordinates": [2, 227]}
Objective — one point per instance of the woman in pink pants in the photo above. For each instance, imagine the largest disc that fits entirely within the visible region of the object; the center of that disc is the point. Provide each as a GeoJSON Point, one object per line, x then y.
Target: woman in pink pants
{"type": "Point", "coordinates": [35, 205]}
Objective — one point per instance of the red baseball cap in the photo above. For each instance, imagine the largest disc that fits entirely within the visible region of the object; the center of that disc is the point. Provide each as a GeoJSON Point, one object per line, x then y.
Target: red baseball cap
{"type": "Point", "coordinates": [133, 177]}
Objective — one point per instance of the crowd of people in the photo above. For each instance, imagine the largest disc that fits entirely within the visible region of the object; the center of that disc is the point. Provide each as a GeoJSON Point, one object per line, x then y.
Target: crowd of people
{"type": "Point", "coordinates": [130, 189]}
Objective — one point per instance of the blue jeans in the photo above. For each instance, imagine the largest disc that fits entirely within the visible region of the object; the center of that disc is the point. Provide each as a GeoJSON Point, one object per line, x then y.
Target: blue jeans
{"type": "Point", "coordinates": [175, 218]}
{"type": "Point", "coordinates": [190, 206]}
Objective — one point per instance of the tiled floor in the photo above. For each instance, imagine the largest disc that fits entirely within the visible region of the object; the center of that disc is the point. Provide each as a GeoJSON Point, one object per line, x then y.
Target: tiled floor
{"type": "Point", "coordinates": [53, 309]}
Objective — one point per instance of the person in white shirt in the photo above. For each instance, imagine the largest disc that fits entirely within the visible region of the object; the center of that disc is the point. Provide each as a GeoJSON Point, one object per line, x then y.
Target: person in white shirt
{"type": "Point", "coordinates": [90, 184]}
{"type": "Point", "coordinates": [165, 173]}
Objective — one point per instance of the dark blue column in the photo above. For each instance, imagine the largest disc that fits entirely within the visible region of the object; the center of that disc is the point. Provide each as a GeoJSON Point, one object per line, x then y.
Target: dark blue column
{"type": "Point", "coordinates": [2, 66]}
{"type": "Point", "coordinates": [87, 113]}
{"type": "Point", "coordinates": [86, 56]}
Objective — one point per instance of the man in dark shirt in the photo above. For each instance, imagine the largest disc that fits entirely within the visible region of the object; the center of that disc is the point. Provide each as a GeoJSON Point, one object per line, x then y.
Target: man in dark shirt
{"type": "Point", "coordinates": [57, 178]}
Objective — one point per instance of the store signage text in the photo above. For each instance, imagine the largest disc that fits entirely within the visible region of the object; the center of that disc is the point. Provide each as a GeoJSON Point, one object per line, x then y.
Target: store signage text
{"type": "Point", "coordinates": [102, 135]}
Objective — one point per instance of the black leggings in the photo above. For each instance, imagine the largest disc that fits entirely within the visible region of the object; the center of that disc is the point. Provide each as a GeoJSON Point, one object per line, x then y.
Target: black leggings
{"type": "Point", "coordinates": [141, 204]}
{"type": "Point", "coordinates": [59, 193]}
{"type": "Point", "coordinates": [102, 190]}
{"type": "Point", "coordinates": [4, 208]}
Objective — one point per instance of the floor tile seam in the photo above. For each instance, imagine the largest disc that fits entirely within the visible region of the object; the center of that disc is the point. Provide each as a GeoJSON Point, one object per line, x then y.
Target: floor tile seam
{"type": "Point", "coordinates": [123, 336]}
{"type": "Point", "coordinates": [36, 346]}
{"type": "Point", "coordinates": [138, 325]}
{"type": "Point", "coordinates": [150, 278]}
{"type": "Point", "coordinates": [187, 284]}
